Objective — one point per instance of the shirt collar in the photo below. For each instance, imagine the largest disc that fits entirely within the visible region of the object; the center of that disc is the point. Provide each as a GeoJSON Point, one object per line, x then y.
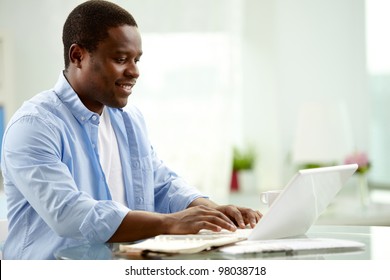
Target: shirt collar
{"type": "Point", "coordinates": [71, 100]}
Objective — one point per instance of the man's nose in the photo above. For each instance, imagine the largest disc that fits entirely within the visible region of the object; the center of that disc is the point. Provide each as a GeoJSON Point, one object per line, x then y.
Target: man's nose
{"type": "Point", "coordinates": [132, 70]}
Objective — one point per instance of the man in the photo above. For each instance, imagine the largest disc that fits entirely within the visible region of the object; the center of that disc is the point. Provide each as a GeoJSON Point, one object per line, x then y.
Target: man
{"type": "Point", "coordinates": [79, 169]}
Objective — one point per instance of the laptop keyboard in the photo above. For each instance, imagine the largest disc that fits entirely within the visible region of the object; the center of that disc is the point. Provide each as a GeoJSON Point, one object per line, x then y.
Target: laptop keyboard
{"type": "Point", "coordinates": [207, 235]}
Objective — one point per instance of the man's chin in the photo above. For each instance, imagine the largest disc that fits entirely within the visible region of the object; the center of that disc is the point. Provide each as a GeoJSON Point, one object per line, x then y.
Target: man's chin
{"type": "Point", "coordinates": [119, 104]}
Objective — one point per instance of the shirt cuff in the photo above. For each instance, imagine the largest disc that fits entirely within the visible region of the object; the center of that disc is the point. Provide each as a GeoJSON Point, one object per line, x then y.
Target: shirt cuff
{"type": "Point", "coordinates": [102, 221]}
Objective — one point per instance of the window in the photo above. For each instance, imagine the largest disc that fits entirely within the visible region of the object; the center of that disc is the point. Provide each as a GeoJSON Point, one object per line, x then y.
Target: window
{"type": "Point", "coordinates": [185, 91]}
{"type": "Point", "coordinates": [378, 61]}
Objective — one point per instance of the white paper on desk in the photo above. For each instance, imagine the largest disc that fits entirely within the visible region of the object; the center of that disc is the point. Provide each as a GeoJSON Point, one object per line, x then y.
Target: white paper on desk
{"type": "Point", "coordinates": [288, 245]}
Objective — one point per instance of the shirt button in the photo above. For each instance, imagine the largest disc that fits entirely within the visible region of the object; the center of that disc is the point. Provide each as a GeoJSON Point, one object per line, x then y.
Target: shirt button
{"type": "Point", "coordinates": [83, 118]}
{"type": "Point", "coordinates": [94, 117]}
{"type": "Point", "coordinates": [135, 164]}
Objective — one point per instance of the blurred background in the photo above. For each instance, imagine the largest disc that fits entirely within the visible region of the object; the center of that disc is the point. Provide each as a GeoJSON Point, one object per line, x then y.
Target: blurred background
{"type": "Point", "coordinates": [239, 94]}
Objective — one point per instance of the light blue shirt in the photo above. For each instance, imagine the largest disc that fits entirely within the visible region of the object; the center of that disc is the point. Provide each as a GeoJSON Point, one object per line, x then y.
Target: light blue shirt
{"type": "Point", "coordinates": [57, 195]}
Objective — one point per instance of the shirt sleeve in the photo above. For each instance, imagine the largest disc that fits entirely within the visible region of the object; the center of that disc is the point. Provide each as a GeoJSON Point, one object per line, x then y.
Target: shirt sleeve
{"type": "Point", "coordinates": [32, 162]}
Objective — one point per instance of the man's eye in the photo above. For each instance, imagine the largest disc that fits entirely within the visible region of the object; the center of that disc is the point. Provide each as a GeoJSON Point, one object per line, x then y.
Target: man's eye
{"type": "Point", "coordinates": [121, 60]}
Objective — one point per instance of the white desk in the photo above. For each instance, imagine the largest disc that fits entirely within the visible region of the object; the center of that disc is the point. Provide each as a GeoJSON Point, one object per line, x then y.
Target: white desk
{"type": "Point", "coordinates": [376, 240]}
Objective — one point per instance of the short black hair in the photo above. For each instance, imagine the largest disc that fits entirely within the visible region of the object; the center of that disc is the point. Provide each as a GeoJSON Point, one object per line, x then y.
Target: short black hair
{"type": "Point", "coordinates": [88, 24]}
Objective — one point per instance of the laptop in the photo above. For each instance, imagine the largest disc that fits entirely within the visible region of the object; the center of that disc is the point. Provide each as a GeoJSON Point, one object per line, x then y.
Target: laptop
{"type": "Point", "coordinates": [294, 211]}
{"type": "Point", "coordinates": [302, 201]}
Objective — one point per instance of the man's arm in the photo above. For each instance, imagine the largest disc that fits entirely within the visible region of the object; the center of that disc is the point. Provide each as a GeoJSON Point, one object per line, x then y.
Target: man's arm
{"type": "Point", "coordinates": [140, 224]}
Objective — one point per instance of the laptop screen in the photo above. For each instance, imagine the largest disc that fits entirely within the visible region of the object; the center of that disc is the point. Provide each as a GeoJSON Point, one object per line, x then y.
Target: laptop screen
{"type": "Point", "coordinates": [300, 203]}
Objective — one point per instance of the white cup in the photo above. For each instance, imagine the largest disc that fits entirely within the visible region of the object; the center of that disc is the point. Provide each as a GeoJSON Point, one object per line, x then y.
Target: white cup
{"type": "Point", "coordinates": [267, 198]}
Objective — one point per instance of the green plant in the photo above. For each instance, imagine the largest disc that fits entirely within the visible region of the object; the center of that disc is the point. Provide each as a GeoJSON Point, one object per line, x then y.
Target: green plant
{"type": "Point", "coordinates": [243, 159]}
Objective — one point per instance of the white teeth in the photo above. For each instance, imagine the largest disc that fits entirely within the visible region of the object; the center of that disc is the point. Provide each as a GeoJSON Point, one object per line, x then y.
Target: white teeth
{"type": "Point", "coordinates": [125, 86]}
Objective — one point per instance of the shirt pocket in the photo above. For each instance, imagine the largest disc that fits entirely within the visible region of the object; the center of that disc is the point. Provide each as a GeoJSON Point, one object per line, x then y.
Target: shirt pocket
{"type": "Point", "coordinates": [146, 163]}
{"type": "Point", "coordinates": [146, 181]}
{"type": "Point", "coordinates": [143, 163]}
{"type": "Point", "coordinates": [142, 172]}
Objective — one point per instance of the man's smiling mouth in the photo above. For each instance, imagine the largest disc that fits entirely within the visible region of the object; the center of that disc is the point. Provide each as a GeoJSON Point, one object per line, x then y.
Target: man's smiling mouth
{"type": "Point", "coordinates": [127, 86]}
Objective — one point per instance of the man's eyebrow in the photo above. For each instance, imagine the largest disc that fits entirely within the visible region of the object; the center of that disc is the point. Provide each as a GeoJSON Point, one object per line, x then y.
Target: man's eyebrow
{"type": "Point", "coordinates": [119, 51]}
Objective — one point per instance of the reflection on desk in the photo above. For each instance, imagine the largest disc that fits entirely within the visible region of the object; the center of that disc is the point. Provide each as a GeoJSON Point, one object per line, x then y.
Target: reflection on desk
{"type": "Point", "coordinates": [348, 211]}
{"type": "Point", "coordinates": [374, 239]}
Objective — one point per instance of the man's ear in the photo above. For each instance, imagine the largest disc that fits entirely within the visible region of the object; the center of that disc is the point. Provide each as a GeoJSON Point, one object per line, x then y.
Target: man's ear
{"type": "Point", "coordinates": [76, 54]}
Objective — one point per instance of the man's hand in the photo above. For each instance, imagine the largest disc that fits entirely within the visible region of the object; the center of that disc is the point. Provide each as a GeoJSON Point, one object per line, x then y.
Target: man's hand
{"type": "Point", "coordinates": [240, 216]}
{"type": "Point", "coordinates": [200, 214]}
{"type": "Point", "coordinates": [193, 219]}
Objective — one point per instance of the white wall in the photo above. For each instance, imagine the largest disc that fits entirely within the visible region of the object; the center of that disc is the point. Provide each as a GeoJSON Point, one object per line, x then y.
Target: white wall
{"type": "Point", "coordinates": [33, 29]}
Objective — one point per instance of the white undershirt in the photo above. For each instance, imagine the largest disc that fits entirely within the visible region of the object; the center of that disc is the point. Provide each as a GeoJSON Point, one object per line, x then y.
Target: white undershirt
{"type": "Point", "coordinates": [110, 159]}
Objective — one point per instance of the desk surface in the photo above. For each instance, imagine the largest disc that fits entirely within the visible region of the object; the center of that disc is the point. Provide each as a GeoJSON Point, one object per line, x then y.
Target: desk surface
{"type": "Point", "coordinates": [376, 240]}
